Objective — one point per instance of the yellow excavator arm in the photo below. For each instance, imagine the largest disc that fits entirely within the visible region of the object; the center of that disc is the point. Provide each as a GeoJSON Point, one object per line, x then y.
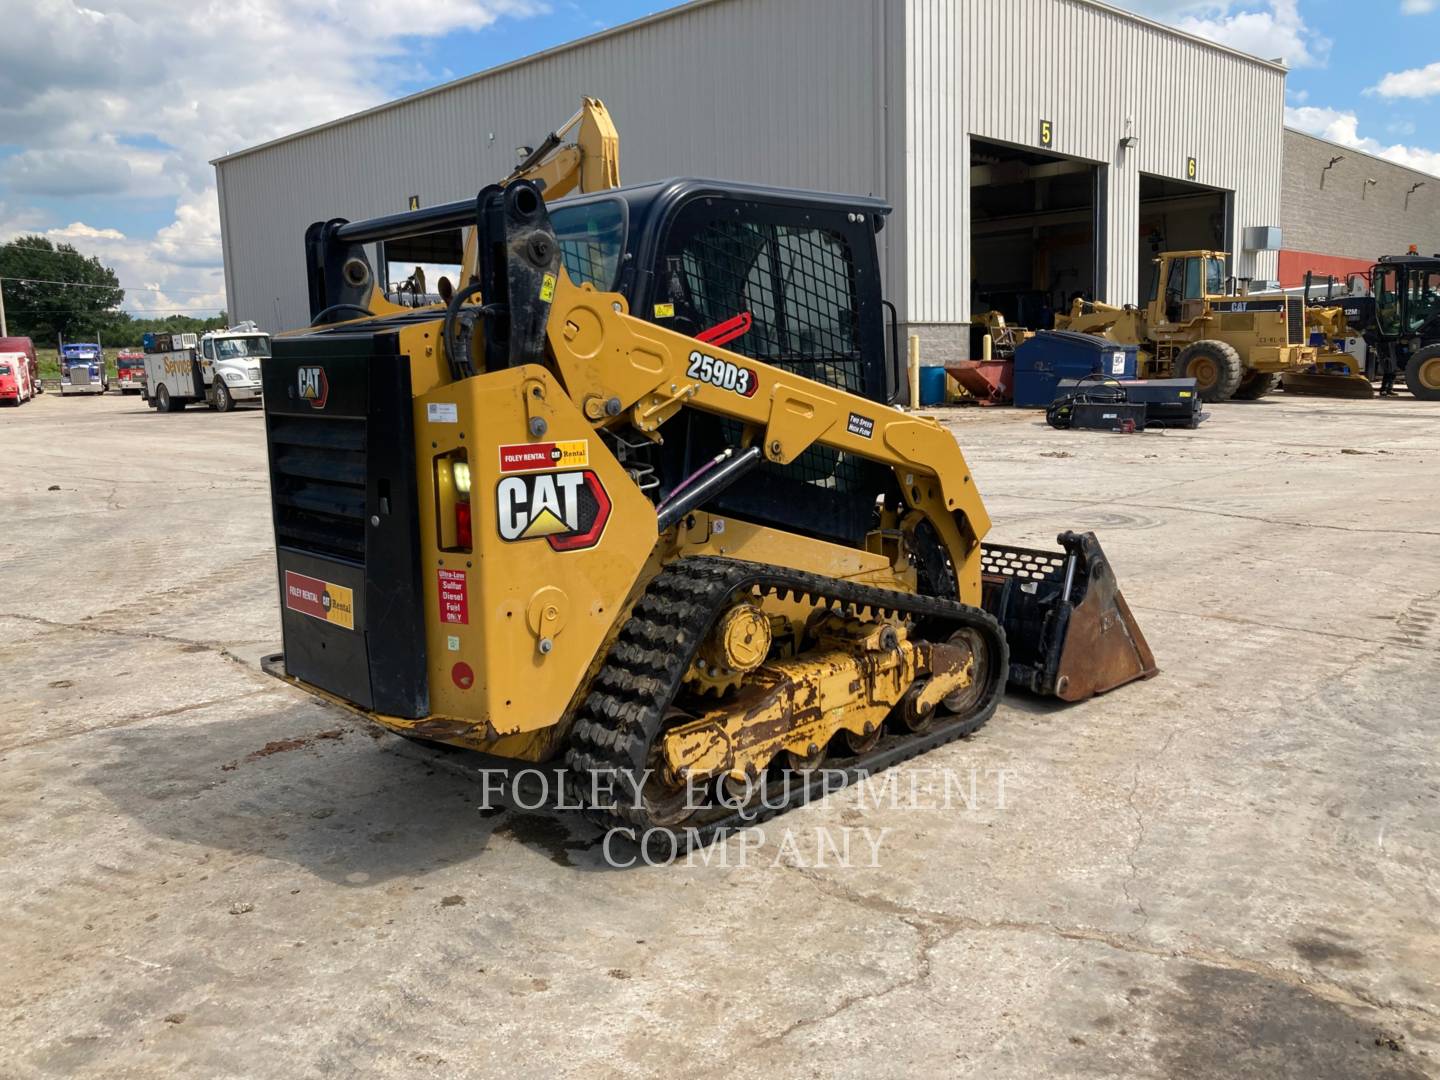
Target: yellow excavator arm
{"type": "Point", "coordinates": [589, 162]}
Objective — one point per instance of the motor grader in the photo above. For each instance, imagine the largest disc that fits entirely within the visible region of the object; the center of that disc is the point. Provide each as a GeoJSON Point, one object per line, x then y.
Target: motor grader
{"type": "Point", "coordinates": [1396, 311]}
{"type": "Point", "coordinates": [1337, 371]}
{"type": "Point", "coordinates": [636, 499]}
{"type": "Point", "coordinates": [1232, 345]}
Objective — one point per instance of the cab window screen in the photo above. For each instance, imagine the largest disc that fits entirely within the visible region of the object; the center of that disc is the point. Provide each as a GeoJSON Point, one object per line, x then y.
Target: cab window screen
{"type": "Point", "coordinates": [796, 274]}
{"type": "Point", "coordinates": [796, 283]}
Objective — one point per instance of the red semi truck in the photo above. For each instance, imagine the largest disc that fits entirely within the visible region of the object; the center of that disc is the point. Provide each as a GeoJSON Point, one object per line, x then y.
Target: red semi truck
{"type": "Point", "coordinates": [19, 372]}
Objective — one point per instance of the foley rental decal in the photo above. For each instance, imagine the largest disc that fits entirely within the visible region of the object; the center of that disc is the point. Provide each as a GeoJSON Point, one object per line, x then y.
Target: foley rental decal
{"type": "Point", "coordinates": [319, 599]}
{"type": "Point", "coordinates": [567, 509]}
{"type": "Point", "coordinates": [530, 457]}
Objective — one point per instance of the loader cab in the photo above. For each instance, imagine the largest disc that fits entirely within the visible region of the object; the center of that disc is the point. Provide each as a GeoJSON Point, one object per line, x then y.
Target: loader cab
{"type": "Point", "coordinates": [1407, 297]}
{"type": "Point", "coordinates": [789, 278]}
{"type": "Point", "coordinates": [1188, 277]}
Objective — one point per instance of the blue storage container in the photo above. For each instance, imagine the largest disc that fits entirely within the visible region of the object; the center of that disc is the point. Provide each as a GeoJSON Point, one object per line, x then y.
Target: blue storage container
{"type": "Point", "coordinates": [1052, 355]}
{"type": "Point", "coordinates": [932, 386]}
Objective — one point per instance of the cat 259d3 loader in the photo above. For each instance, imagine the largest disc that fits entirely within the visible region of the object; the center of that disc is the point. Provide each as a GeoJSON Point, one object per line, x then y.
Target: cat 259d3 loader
{"type": "Point", "coordinates": [635, 498]}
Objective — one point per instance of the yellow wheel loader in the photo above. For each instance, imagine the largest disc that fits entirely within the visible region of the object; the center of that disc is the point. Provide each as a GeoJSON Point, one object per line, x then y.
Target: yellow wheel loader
{"type": "Point", "coordinates": [635, 499]}
{"type": "Point", "coordinates": [1233, 346]}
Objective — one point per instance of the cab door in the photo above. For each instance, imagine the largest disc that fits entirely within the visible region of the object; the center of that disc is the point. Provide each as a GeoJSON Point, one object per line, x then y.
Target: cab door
{"type": "Point", "coordinates": [1385, 288]}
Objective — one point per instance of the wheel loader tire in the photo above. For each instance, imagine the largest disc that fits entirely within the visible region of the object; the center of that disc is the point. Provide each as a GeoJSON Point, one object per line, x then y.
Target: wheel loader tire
{"type": "Point", "coordinates": [1254, 386]}
{"type": "Point", "coordinates": [1215, 367]}
{"type": "Point", "coordinates": [1422, 374]}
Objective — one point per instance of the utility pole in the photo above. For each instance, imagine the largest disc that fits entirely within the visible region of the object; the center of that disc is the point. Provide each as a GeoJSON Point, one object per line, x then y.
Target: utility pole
{"type": "Point", "coordinates": [3, 331]}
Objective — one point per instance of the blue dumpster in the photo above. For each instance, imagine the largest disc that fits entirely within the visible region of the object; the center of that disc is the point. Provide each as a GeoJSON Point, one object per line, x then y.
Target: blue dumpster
{"type": "Point", "coordinates": [1052, 355]}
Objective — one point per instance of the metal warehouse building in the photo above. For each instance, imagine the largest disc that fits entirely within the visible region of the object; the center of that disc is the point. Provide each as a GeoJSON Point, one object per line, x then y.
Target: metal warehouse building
{"type": "Point", "coordinates": [1032, 149]}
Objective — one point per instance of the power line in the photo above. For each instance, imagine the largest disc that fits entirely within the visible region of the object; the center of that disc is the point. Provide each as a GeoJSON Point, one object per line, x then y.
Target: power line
{"type": "Point", "coordinates": [122, 311]}
{"type": "Point", "coordinates": [53, 251]}
{"type": "Point", "coordinates": [126, 288]}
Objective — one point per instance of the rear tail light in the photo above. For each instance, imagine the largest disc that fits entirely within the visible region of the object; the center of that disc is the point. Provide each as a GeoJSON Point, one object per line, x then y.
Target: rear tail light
{"type": "Point", "coordinates": [452, 491]}
{"type": "Point", "coordinates": [462, 524]}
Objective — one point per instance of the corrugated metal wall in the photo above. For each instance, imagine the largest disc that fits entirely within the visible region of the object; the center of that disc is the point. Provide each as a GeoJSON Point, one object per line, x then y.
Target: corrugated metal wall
{"type": "Point", "coordinates": [786, 92]}
{"type": "Point", "coordinates": [864, 96]}
{"type": "Point", "coordinates": [995, 69]}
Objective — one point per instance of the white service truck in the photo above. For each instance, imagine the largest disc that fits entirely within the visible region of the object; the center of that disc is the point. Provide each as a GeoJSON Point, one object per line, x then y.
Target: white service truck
{"type": "Point", "coordinates": [220, 369]}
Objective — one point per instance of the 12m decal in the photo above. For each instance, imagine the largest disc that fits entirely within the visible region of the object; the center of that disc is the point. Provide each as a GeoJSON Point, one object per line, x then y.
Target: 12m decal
{"type": "Point", "coordinates": [722, 373]}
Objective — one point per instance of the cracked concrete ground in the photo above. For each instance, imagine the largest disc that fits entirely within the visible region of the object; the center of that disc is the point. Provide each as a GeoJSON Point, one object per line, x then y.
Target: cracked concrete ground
{"type": "Point", "coordinates": [1230, 870]}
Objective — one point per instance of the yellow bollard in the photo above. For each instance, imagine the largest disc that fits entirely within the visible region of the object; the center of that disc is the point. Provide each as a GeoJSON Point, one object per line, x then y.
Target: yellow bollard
{"type": "Point", "coordinates": [914, 371]}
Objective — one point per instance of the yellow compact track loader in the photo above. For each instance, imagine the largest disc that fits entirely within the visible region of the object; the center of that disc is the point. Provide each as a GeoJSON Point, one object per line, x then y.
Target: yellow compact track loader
{"type": "Point", "coordinates": [635, 498]}
{"type": "Point", "coordinates": [1233, 346]}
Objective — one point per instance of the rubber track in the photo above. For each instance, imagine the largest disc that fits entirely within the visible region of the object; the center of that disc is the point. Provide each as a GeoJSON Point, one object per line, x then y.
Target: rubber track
{"type": "Point", "coordinates": [642, 675]}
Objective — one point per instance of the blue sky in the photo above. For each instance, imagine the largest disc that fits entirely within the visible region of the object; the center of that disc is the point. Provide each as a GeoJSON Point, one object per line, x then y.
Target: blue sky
{"type": "Point", "coordinates": [102, 145]}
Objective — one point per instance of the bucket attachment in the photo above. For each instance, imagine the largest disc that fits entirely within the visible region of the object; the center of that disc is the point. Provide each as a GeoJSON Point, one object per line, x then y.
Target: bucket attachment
{"type": "Point", "coordinates": [1070, 631]}
{"type": "Point", "coordinates": [988, 381]}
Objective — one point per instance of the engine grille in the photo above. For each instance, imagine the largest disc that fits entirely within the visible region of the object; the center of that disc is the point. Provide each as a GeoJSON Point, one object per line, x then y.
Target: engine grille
{"type": "Point", "coordinates": [318, 473]}
{"type": "Point", "coordinates": [1295, 320]}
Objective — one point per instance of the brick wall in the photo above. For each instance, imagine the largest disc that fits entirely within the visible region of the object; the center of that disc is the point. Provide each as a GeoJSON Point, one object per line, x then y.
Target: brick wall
{"type": "Point", "coordinates": [1337, 213]}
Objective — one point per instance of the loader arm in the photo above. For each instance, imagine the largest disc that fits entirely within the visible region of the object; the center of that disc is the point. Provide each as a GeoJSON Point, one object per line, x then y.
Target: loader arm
{"type": "Point", "coordinates": [623, 369]}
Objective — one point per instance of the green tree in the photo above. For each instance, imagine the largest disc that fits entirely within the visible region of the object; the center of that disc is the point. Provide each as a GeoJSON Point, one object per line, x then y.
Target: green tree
{"type": "Point", "coordinates": [52, 289]}
{"type": "Point", "coordinates": [124, 331]}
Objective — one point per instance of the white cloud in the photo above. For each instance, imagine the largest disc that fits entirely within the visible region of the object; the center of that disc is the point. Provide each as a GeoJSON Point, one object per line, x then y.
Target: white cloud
{"type": "Point", "coordinates": [1412, 83]}
{"type": "Point", "coordinates": [1279, 32]}
{"type": "Point", "coordinates": [78, 230]}
{"type": "Point", "coordinates": [1271, 30]}
{"type": "Point", "coordinates": [66, 172]}
{"type": "Point", "coordinates": [131, 102]}
{"type": "Point", "coordinates": [162, 276]}
{"type": "Point", "coordinates": [1418, 7]}
{"type": "Point", "coordinates": [1343, 127]}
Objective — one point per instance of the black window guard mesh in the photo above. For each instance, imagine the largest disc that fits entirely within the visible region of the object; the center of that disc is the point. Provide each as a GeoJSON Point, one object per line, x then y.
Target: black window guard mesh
{"type": "Point", "coordinates": [798, 285]}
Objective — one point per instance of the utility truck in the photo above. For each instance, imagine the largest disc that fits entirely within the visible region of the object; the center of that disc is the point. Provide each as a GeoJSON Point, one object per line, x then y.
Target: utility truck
{"type": "Point", "coordinates": [219, 369]}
